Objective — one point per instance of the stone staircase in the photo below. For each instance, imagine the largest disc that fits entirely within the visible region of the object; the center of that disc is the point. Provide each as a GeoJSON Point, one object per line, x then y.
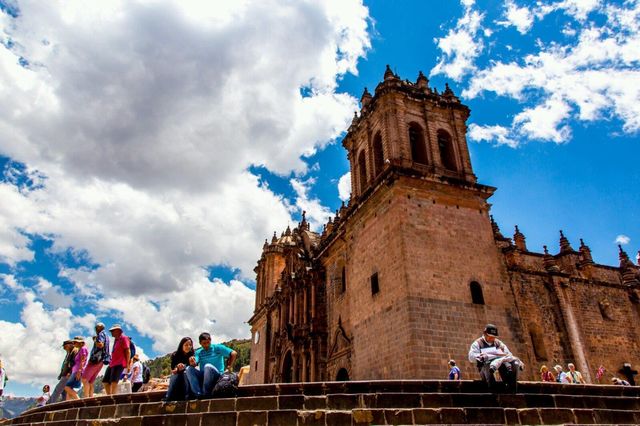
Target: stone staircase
{"type": "Point", "coordinates": [356, 403]}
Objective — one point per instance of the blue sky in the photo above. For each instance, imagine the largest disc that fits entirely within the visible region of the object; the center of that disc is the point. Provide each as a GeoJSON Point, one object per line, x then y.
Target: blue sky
{"type": "Point", "coordinates": [148, 149]}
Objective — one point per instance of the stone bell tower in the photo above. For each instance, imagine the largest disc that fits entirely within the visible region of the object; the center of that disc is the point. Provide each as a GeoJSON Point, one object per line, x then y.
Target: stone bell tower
{"type": "Point", "coordinates": [413, 272]}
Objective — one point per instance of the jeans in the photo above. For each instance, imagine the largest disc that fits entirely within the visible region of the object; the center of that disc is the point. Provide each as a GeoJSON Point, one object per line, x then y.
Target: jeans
{"type": "Point", "coordinates": [202, 382]}
{"type": "Point", "coordinates": [58, 391]}
{"type": "Point", "coordinates": [178, 387]}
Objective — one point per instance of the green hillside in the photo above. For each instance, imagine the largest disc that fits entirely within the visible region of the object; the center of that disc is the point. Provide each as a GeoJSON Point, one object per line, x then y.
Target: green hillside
{"type": "Point", "coordinates": [160, 366]}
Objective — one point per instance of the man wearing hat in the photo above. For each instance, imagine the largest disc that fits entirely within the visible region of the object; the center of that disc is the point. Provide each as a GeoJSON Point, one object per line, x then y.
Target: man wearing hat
{"type": "Point", "coordinates": [120, 358]}
{"type": "Point", "coordinates": [65, 372]}
{"type": "Point", "coordinates": [98, 357]}
{"type": "Point", "coordinates": [491, 355]}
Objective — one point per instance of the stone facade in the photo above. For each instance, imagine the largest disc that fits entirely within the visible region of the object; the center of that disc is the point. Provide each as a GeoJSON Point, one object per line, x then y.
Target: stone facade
{"type": "Point", "coordinates": [409, 272]}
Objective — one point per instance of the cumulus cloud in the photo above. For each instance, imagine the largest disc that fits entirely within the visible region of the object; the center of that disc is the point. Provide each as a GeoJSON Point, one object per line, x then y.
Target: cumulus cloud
{"type": "Point", "coordinates": [317, 214]}
{"type": "Point", "coordinates": [39, 333]}
{"type": "Point", "coordinates": [499, 134]}
{"type": "Point", "coordinates": [519, 17]}
{"type": "Point", "coordinates": [462, 44]}
{"type": "Point", "coordinates": [137, 122]}
{"type": "Point", "coordinates": [623, 239]}
{"type": "Point", "coordinates": [594, 76]}
{"type": "Point", "coordinates": [344, 186]}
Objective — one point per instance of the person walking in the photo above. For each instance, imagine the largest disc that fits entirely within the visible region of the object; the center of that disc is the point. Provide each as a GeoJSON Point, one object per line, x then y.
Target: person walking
{"type": "Point", "coordinates": [136, 374]}
{"type": "Point", "coordinates": [546, 375]}
{"type": "Point", "coordinates": [120, 358]}
{"type": "Point", "coordinates": [454, 371]}
{"type": "Point", "coordinates": [576, 376]}
{"type": "Point", "coordinates": [79, 364]}
{"type": "Point", "coordinates": [561, 376]}
{"type": "Point", "coordinates": [65, 372]}
{"type": "Point", "coordinates": [98, 357]}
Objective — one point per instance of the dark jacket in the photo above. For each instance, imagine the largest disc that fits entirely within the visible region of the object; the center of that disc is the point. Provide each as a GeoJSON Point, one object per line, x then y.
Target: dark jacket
{"type": "Point", "coordinates": [180, 358]}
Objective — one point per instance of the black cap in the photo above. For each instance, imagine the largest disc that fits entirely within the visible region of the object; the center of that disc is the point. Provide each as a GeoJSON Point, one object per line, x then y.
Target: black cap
{"type": "Point", "coordinates": [491, 330]}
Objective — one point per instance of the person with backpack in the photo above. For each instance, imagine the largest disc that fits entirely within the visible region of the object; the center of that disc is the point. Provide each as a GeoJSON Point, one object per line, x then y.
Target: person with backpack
{"type": "Point", "coordinates": [491, 355]}
{"type": "Point", "coordinates": [211, 361]}
{"type": "Point", "coordinates": [98, 357]}
{"type": "Point", "coordinates": [120, 359]}
{"type": "Point", "coordinates": [79, 364]}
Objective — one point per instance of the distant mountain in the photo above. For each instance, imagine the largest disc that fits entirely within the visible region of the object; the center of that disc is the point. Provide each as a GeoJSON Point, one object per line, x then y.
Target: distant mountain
{"type": "Point", "coordinates": [11, 407]}
{"type": "Point", "coordinates": [161, 366]}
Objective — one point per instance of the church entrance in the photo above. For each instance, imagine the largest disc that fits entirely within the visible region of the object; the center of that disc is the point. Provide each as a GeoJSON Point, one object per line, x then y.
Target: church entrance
{"type": "Point", "coordinates": [287, 368]}
{"type": "Point", "coordinates": [343, 375]}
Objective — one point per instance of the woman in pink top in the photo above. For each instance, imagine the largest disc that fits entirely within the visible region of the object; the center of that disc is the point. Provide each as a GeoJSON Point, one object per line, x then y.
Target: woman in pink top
{"type": "Point", "coordinates": [79, 364]}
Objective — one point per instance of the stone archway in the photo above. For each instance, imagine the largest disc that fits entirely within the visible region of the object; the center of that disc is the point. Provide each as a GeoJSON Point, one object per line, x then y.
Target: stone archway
{"type": "Point", "coordinates": [343, 375]}
{"type": "Point", "coordinates": [287, 368]}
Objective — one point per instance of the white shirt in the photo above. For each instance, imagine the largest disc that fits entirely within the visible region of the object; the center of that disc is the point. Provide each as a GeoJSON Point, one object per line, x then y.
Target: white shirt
{"type": "Point", "coordinates": [136, 372]}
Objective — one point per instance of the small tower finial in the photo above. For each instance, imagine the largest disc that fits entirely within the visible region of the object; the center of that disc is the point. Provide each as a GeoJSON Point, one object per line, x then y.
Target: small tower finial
{"type": "Point", "coordinates": [422, 82]}
{"type": "Point", "coordinates": [519, 240]}
{"type": "Point", "coordinates": [447, 90]}
{"type": "Point", "coordinates": [565, 246]}
{"type": "Point", "coordinates": [388, 74]}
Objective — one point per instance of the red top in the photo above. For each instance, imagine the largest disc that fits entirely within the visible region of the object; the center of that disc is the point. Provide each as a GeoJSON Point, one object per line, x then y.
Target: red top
{"type": "Point", "coordinates": [547, 376]}
{"type": "Point", "coordinates": [118, 356]}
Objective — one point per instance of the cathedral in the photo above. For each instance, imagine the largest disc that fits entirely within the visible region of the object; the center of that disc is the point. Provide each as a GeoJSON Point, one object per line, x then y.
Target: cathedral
{"type": "Point", "coordinates": [408, 273]}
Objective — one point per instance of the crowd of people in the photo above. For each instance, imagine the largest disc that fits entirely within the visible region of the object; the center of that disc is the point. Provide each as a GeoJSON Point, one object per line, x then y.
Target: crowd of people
{"type": "Point", "coordinates": [81, 367]}
{"type": "Point", "coordinates": [208, 371]}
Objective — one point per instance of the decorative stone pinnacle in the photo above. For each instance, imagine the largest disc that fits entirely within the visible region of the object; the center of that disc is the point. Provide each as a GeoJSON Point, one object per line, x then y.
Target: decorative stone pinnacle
{"type": "Point", "coordinates": [565, 246]}
{"type": "Point", "coordinates": [388, 74]}
{"type": "Point", "coordinates": [519, 240]}
{"type": "Point", "coordinates": [586, 252]}
{"type": "Point", "coordinates": [422, 81]}
{"type": "Point", "coordinates": [496, 229]}
{"type": "Point", "coordinates": [447, 90]}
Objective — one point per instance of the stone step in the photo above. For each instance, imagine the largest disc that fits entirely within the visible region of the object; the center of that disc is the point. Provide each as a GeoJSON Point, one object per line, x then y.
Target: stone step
{"type": "Point", "coordinates": [330, 397]}
{"type": "Point", "coordinates": [336, 402]}
{"type": "Point", "coordinates": [363, 417]}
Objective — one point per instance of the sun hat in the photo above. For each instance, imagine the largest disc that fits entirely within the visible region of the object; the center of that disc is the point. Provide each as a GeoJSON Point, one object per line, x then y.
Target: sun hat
{"type": "Point", "coordinates": [78, 339]}
{"type": "Point", "coordinates": [115, 327]}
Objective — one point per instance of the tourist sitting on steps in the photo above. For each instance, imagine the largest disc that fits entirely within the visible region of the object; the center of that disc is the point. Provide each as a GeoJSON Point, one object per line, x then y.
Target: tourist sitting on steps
{"type": "Point", "coordinates": [491, 355]}
{"type": "Point", "coordinates": [212, 360]}
{"type": "Point", "coordinates": [178, 384]}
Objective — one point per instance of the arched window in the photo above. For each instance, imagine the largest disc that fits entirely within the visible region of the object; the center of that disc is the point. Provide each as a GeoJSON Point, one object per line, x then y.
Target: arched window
{"type": "Point", "coordinates": [362, 168]}
{"type": "Point", "coordinates": [343, 375]}
{"type": "Point", "coordinates": [378, 154]}
{"type": "Point", "coordinates": [476, 293]}
{"type": "Point", "coordinates": [447, 154]}
{"type": "Point", "coordinates": [418, 147]}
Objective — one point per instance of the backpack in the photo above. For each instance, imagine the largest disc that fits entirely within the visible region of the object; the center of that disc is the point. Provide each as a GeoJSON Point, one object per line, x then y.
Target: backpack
{"type": "Point", "coordinates": [146, 374]}
{"type": "Point", "coordinates": [227, 386]}
{"type": "Point", "coordinates": [132, 347]}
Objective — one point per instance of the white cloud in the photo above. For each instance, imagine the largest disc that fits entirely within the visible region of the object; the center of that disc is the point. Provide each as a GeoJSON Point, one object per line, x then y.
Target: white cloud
{"type": "Point", "coordinates": [499, 134]}
{"type": "Point", "coordinates": [344, 187]}
{"type": "Point", "coordinates": [623, 239]}
{"type": "Point", "coordinates": [39, 333]}
{"type": "Point", "coordinates": [317, 214]}
{"type": "Point", "coordinates": [594, 78]}
{"type": "Point", "coordinates": [519, 17]}
{"type": "Point", "coordinates": [461, 46]}
{"type": "Point", "coordinates": [143, 119]}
